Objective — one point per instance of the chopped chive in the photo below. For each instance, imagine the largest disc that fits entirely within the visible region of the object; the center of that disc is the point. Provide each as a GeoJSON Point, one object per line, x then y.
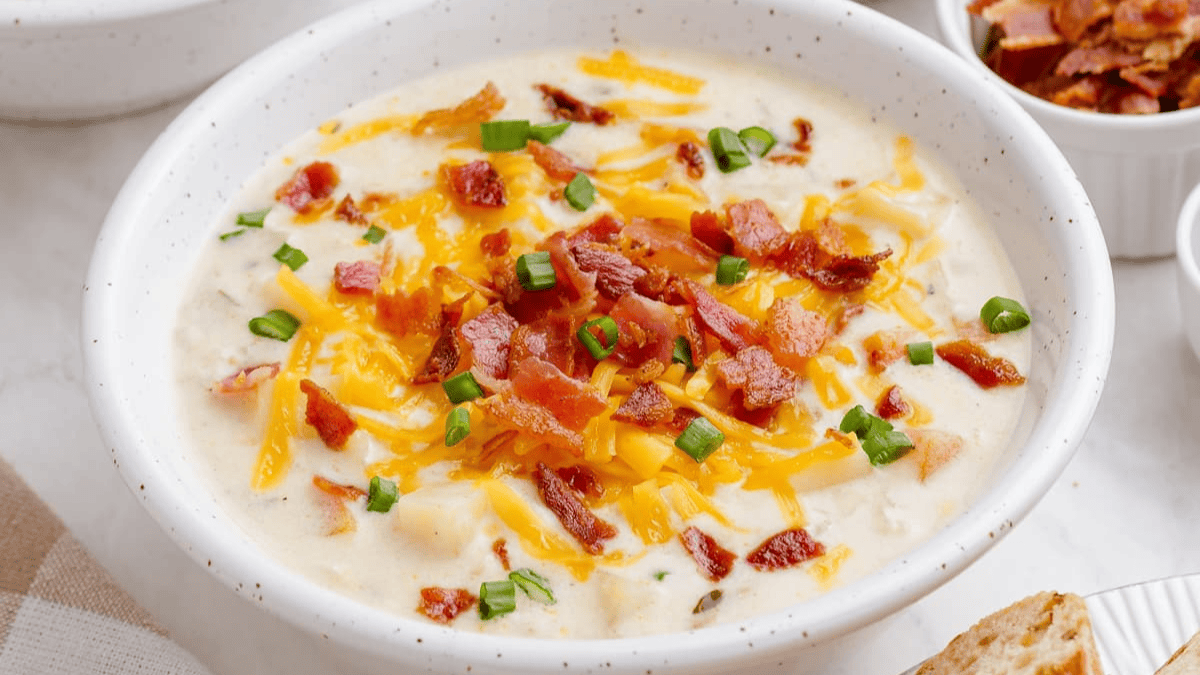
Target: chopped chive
{"type": "Point", "coordinates": [708, 601]}
{"type": "Point", "coordinates": [731, 270]}
{"type": "Point", "coordinates": [232, 233]}
{"type": "Point", "coordinates": [253, 218]}
{"type": "Point", "coordinates": [882, 443]}
{"type": "Point", "coordinates": [660, 575]}
{"type": "Point", "coordinates": [381, 495]}
{"type": "Point", "coordinates": [276, 324]}
{"type": "Point", "coordinates": [580, 193]}
{"type": "Point", "coordinates": [504, 135]}
{"type": "Point", "coordinates": [1002, 315]}
{"type": "Point", "coordinates": [727, 149]}
{"type": "Point", "coordinates": [458, 426]}
{"type": "Point", "coordinates": [920, 353]}
{"type": "Point", "coordinates": [608, 326]}
{"type": "Point", "coordinates": [497, 598]}
{"type": "Point", "coordinates": [700, 439]}
{"type": "Point", "coordinates": [683, 353]}
{"type": "Point", "coordinates": [535, 585]}
{"type": "Point", "coordinates": [535, 271]}
{"type": "Point", "coordinates": [292, 257]}
{"type": "Point", "coordinates": [462, 388]}
{"type": "Point", "coordinates": [757, 140]}
{"type": "Point", "coordinates": [546, 133]}
{"type": "Point", "coordinates": [375, 234]}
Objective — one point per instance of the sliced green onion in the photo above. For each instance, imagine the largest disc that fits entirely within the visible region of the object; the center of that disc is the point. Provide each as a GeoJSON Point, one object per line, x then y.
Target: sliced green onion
{"type": "Point", "coordinates": [700, 439]}
{"type": "Point", "coordinates": [660, 575]}
{"type": "Point", "coordinates": [535, 271]}
{"type": "Point", "coordinates": [375, 234]}
{"type": "Point", "coordinates": [458, 426]}
{"type": "Point", "coordinates": [882, 443]}
{"type": "Point", "coordinates": [253, 218]}
{"type": "Point", "coordinates": [497, 598]}
{"type": "Point", "coordinates": [920, 353]}
{"type": "Point", "coordinates": [381, 495]}
{"type": "Point", "coordinates": [546, 133]}
{"type": "Point", "coordinates": [276, 324]}
{"type": "Point", "coordinates": [757, 140]}
{"type": "Point", "coordinates": [462, 388]}
{"type": "Point", "coordinates": [683, 353]}
{"type": "Point", "coordinates": [233, 233]}
{"type": "Point", "coordinates": [535, 585]}
{"type": "Point", "coordinates": [727, 149]}
{"type": "Point", "coordinates": [504, 135]}
{"type": "Point", "coordinates": [608, 326]}
{"type": "Point", "coordinates": [1002, 315]}
{"type": "Point", "coordinates": [708, 601]}
{"type": "Point", "coordinates": [580, 193]}
{"type": "Point", "coordinates": [732, 269]}
{"type": "Point", "coordinates": [292, 257]}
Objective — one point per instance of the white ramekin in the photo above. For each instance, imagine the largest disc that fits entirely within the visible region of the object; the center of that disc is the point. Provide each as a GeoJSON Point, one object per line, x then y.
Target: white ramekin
{"type": "Point", "coordinates": [1137, 169]}
{"type": "Point", "coordinates": [1187, 267]}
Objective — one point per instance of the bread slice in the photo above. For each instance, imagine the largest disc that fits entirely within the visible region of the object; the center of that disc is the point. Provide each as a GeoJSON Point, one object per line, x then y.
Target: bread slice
{"type": "Point", "coordinates": [1044, 634]}
{"type": "Point", "coordinates": [1186, 661]}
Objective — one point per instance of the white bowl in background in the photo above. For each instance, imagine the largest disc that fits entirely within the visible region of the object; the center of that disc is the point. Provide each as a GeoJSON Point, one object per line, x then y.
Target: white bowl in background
{"type": "Point", "coordinates": [1188, 267]}
{"type": "Point", "coordinates": [168, 209]}
{"type": "Point", "coordinates": [85, 59]}
{"type": "Point", "coordinates": [1137, 169]}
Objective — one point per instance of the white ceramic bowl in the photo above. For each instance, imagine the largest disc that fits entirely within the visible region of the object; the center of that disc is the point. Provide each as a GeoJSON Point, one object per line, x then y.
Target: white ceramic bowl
{"type": "Point", "coordinates": [168, 207]}
{"type": "Point", "coordinates": [1137, 169]}
{"type": "Point", "coordinates": [1187, 264]}
{"type": "Point", "coordinates": [80, 59]}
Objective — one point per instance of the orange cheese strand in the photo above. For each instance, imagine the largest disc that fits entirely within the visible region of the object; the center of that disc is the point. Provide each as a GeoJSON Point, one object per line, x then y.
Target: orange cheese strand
{"type": "Point", "coordinates": [621, 66]}
{"type": "Point", "coordinates": [275, 452]}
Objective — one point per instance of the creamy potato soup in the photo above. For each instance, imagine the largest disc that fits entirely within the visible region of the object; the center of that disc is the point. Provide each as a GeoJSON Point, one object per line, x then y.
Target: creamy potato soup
{"type": "Point", "coordinates": [599, 345]}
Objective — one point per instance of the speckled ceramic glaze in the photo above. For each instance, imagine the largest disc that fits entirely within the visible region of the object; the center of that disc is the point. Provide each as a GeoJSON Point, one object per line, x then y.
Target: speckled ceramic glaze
{"type": "Point", "coordinates": [1137, 169]}
{"type": "Point", "coordinates": [156, 228]}
{"type": "Point", "coordinates": [79, 59]}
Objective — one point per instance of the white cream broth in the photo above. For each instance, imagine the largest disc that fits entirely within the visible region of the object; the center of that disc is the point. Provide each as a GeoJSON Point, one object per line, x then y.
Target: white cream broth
{"type": "Point", "coordinates": [442, 533]}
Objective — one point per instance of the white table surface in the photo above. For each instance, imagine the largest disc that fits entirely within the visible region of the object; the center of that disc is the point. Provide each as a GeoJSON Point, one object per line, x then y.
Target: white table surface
{"type": "Point", "coordinates": [1125, 510]}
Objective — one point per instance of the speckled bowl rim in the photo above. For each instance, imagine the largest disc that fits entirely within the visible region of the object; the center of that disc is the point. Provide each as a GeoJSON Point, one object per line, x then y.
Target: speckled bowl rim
{"type": "Point", "coordinates": [61, 14]}
{"type": "Point", "coordinates": [727, 645]}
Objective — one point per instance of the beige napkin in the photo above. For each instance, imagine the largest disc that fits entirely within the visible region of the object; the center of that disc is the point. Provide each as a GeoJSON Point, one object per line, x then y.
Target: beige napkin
{"type": "Point", "coordinates": [60, 612]}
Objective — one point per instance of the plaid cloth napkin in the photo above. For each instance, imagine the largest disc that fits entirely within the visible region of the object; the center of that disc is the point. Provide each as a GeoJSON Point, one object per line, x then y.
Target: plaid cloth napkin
{"type": "Point", "coordinates": [60, 612]}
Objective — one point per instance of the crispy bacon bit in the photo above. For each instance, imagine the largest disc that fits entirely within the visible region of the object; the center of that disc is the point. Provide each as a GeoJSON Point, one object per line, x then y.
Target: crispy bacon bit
{"type": "Point", "coordinates": [566, 107]}
{"type": "Point", "coordinates": [646, 330]}
{"type": "Point", "coordinates": [475, 184]}
{"type": "Point", "coordinates": [794, 333]}
{"type": "Point", "coordinates": [683, 417]}
{"type": "Point", "coordinates": [708, 229]}
{"type": "Point", "coordinates": [604, 230]}
{"type": "Point", "coordinates": [443, 605]}
{"type": "Point", "coordinates": [986, 370]}
{"type": "Point", "coordinates": [356, 278]}
{"type": "Point", "coordinates": [489, 334]}
{"type": "Point", "coordinates": [496, 244]}
{"type": "Point", "coordinates": [533, 420]}
{"type": "Point", "coordinates": [785, 549]}
{"type": "Point", "coordinates": [500, 548]}
{"type": "Point", "coordinates": [1095, 60]}
{"type": "Point", "coordinates": [556, 165]}
{"type": "Point", "coordinates": [756, 232]}
{"type": "Point", "coordinates": [670, 245]}
{"type": "Point", "coordinates": [804, 130]}
{"type": "Point", "coordinates": [348, 211]}
{"type": "Point", "coordinates": [735, 331]}
{"type": "Point", "coordinates": [714, 560]}
{"type": "Point", "coordinates": [479, 108]}
{"type": "Point", "coordinates": [309, 186]}
{"type": "Point", "coordinates": [551, 338]}
{"type": "Point", "coordinates": [1074, 17]}
{"type": "Point", "coordinates": [332, 422]}
{"type": "Point", "coordinates": [574, 283]}
{"type": "Point", "coordinates": [843, 316]}
{"type": "Point", "coordinates": [572, 402]}
{"type": "Point", "coordinates": [647, 406]}
{"type": "Point", "coordinates": [1148, 19]}
{"type": "Point", "coordinates": [588, 529]}
{"type": "Point", "coordinates": [763, 382]}
{"type": "Point", "coordinates": [401, 314]}
{"type": "Point", "coordinates": [648, 371]}
{"type": "Point", "coordinates": [447, 350]}
{"type": "Point", "coordinates": [615, 274]}
{"type": "Point", "coordinates": [883, 349]}
{"type": "Point", "coordinates": [247, 379]}
{"type": "Point", "coordinates": [932, 450]}
{"type": "Point", "coordinates": [789, 159]}
{"type": "Point", "coordinates": [804, 257]}
{"type": "Point", "coordinates": [892, 405]}
{"type": "Point", "coordinates": [582, 480]}
{"type": "Point", "coordinates": [844, 183]}
{"type": "Point", "coordinates": [339, 490]}
{"type": "Point", "coordinates": [692, 159]}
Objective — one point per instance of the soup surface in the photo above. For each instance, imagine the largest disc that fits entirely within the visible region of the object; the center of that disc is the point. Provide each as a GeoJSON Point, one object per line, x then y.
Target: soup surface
{"type": "Point", "coordinates": [736, 376]}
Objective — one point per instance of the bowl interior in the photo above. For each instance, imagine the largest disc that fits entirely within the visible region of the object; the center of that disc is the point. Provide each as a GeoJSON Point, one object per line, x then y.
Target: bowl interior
{"type": "Point", "coordinates": [167, 211]}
